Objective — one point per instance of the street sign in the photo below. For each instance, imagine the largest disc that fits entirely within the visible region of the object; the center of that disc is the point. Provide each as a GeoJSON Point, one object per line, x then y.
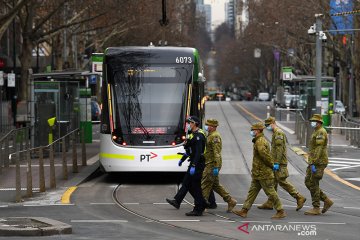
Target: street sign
{"type": "Point", "coordinates": [287, 73]}
{"type": "Point", "coordinates": [11, 79]}
{"type": "Point", "coordinates": [1, 78]}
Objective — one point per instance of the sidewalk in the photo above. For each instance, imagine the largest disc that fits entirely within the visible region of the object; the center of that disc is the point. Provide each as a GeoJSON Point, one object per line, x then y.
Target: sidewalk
{"type": "Point", "coordinates": [8, 175]}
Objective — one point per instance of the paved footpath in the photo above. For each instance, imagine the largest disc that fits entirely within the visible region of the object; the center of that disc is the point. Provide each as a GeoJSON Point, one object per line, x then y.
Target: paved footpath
{"type": "Point", "coordinates": [50, 196]}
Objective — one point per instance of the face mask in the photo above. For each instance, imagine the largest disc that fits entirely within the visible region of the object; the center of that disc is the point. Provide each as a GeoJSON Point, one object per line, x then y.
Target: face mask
{"type": "Point", "coordinates": [188, 127]}
{"type": "Point", "coordinates": [269, 128]}
{"type": "Point", "coordinates": [252, 133]}
{"type": "Point", "coordinates": [206, 128]}
{"type": "Point", "coordinates": [313, 124]}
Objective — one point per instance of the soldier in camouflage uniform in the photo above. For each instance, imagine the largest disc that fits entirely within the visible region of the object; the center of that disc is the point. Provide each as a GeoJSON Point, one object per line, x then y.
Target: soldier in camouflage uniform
{"type": "Point", "coordinates": [261, 173]}
{"type": "Point", "coordinates": [213, 163]}
{"type": "Point", "coordinates": [278, 153]}
{"type": "Point", "coordinates": [318, 160]}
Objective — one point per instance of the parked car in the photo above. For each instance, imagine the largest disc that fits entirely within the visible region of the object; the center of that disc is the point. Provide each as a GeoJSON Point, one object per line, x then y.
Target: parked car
{"type": "Point", "coordinates": [264, 96]}
{"type": "Point", "coordinates": [339, 107]}
{"type": "Point", "coordinates": [95, 111]}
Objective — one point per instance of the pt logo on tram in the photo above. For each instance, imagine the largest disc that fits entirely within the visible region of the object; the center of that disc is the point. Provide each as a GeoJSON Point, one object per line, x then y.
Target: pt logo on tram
{"type": "Point", "coordinates": [147, 157]}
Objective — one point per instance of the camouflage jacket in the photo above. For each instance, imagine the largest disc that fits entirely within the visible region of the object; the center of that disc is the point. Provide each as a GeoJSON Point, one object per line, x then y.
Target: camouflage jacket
{"type": "Point", "coordinates": [278, 146]}
{"type": "Point", "coordinates": [318, 154]}
{"type": "Point", "coordinates": [213, 149]}
{"type": "Point", "coordinates": [262, 166]}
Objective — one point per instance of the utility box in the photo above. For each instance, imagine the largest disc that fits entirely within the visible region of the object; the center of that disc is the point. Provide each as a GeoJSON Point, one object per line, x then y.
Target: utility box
{"type": "Point", "coordinates": [85, 114]}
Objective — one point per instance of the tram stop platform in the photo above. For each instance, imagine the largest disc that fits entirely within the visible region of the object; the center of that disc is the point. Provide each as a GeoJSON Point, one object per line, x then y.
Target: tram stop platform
{"type": "Point", "coordinates": [38, 226]}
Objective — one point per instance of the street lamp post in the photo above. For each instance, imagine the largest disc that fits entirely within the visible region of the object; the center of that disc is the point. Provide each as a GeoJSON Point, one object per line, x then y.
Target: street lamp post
{"type": "Point", "coordinates": [318, 28]}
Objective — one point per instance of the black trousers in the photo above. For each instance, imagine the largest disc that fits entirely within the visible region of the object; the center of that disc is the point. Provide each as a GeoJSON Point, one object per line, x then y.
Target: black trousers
{"type": "Point", "coordinates": [192, 184]}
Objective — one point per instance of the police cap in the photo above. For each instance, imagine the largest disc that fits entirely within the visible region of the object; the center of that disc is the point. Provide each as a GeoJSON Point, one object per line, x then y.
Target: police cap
{"type": "Point", "coordinates": [212, 122]}
{"type": "Point", "coordinates": [193, 119]}
{"type": "Point", "coordinates": [316, 118]}
{"type": "Point", "coordinates": [257, 126]}
{"type": "Point", "coordinates": [269, 120]}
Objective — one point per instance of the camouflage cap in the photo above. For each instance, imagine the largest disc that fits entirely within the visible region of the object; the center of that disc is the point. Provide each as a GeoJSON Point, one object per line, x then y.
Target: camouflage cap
{"type": "Point", "coordinates": [317, 118]}
{"type": "Point", "coordinates": [269, 120]}
{"type": "Point", "coordinates": [212, 122]}
{"type": "Point", "coordinates": [257, 126]}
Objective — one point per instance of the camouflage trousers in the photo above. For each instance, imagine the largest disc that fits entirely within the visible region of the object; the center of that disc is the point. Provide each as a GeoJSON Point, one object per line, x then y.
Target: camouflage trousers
{"type": "Point", "coordinates": [268, 186]}
{"type": "Point", "coordinates": [312, 182]}
{"type": "Point", "coordinates": [281, 179]}
{"type": "Point", "coordinates": [210, 182]}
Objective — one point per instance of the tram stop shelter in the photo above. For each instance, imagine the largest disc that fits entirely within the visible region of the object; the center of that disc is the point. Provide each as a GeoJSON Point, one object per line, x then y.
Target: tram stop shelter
{"type": "Point", "coordinates": [58, 107]}
{"type": "Point", "coordinates": [305, 87]}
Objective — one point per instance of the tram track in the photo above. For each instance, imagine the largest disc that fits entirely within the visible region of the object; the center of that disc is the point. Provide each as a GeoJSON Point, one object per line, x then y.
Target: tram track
{"type": "Point", "coordinates": [147, 218]}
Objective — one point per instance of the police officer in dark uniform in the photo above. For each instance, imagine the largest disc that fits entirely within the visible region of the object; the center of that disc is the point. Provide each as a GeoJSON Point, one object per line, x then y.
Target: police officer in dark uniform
{"type": "Point", "coordinates": [184, 189]}
{"type": "Point", "coordinates": [192, 179]}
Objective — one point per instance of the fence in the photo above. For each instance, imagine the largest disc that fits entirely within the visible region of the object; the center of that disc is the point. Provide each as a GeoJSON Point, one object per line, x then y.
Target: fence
{"type": "Point", "coordinates": [39, 152]}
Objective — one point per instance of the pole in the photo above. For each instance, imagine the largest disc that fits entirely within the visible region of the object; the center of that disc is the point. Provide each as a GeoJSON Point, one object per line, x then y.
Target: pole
{"type": "Point", "coordinates": [351, 83]}
{"type": "Point", "coordinates": [318, 61]}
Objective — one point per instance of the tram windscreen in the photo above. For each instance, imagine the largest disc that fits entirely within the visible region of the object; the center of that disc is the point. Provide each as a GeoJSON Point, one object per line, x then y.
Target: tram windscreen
{"type": "Point", "coordinates": [150, 100]}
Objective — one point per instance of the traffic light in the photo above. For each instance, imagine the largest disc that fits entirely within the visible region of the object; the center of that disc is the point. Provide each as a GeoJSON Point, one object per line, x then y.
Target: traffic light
{"type": "Point", "coordinates": [2, 63]}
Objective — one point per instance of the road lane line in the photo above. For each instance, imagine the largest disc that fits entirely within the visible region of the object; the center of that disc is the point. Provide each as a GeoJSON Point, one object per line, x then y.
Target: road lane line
{"type": "Point", "coordinates": [102, 203]}
{"type": "Point", "coordinates": [180, 220]}
{"type": "Point", "coordinates": [346, 159]}
{"type": "Point", "coordinates": [47, 205]}
{"type": "Point", "coordinates": [226, 221]}
{"type": "Point", "coordinates": [353, 207]}
{"type": "Point", "coordinates": [322, 223]}
{"type": "Point", "coordinates": [341, 168]}
{"type": "Point", "coordinates": [65, 198]}
{"type": "Point", "coordinates": [99, 221]}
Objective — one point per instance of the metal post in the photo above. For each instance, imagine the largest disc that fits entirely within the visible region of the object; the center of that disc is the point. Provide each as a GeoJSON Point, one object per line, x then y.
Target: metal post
{"type": "Point", "coordinates": [64, 162]}
{"type": "Point", "coordinates": [351, 83]}
{"type": "Point", "coordinates": [41, 170]}
{"type": "Point", "coordinates": [29, 174]}
{"type": "Point", "coordinates": [268, 111]}
{"type": "Point", "coordinates": [83, 148]}
{"type": "Point", "coordinates": [18, 178]}
{"type": "Point", "coordinates": [318, 61]}
{"type": "Point", "coordinates": [52, 167]}
{"type": "Point", "coordinates": [6, 150]}
{"type": "Point", "coordinates": [74, 154]}
{"type": "Point", "coordinates": [288, 114]}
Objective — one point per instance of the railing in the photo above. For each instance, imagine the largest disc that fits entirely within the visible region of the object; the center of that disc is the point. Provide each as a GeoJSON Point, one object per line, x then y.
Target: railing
{"type": "Point", "coordinates": [302, 129]}
{"type": "Point", "coordinates": [39, 152]}
{"type": "Point", "coordinates": [16, 139]}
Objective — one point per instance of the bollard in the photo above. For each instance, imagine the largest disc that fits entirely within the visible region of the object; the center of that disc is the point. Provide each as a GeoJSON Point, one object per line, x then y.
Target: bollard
{"type": "Point", "coordinates": [41, 170]}
{"type": "Point", "coordinates": [2, 156]}
{"type": "Point", "coordinates": [288, 114]}
{"type": "Point", "coordinates": [268, 111]}
{"type": "Point", "coordinates": [6, 150]}
{"type": "Point", "coordinates": [83, 148]}
{"type": "Point", "coordinates": [18, 178]}
{"type": "Point", "coordinates": [52, 167]}
{"type": "Point", "coordinates": [64, 162]}
{"type": "Point", "coordinates": [74, 155]}
{"type": "Point", "coordinates": [28, 175]}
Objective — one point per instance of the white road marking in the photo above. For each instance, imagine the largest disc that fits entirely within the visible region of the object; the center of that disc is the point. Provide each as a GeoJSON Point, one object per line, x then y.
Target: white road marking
{"type": "Point", "coordinates": [230, 221]}
{"type": "Point", "coordinates": [346, 159]}
{"type": "Point", "coordinates": [323, 223]}
{"type": "Point", "coordinates": [129, 203]}
{"type": "Point", "coordinates": [345, 162]}
{"type": "Point", "coordinates": [99, 221]}
{"type": "Point", "coordinates": [160, 203]}
{"type": "Point", "coordinates": [341, 168]}
{"type": "Point", "coordinates": [102, 203]}
{"type": "Point", "coordinates": [353, 207]}
{"type": "Point", "coordinates": [3, 206]}
{"type": "Point", "coordinates": [180, 220]}
{"type": "Point", "coordinates": [47, 205]}
{"type": "Point", "coordinates": [352, 179]}
{"type": "Point", "coordinates": [337, 165]}
{"type": "Point", "coordinates": [14, 189]}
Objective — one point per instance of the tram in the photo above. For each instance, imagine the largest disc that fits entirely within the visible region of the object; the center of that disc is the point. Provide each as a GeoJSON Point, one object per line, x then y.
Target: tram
{"type": "Point", "coordinates": [147, 94]}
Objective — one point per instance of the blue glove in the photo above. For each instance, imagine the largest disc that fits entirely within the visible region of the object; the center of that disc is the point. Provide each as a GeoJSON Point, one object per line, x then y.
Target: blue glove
{"type": "Point", "coordinates": [313, 168]}
{"type": "Point", "coordinates": [192, 171]}
{"type": "Point", "coordinates": [215, 171]}
{"type": "Point", "coordinates": [276, 167]}
{"type": "Point", "coordinates": [180, 162]}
